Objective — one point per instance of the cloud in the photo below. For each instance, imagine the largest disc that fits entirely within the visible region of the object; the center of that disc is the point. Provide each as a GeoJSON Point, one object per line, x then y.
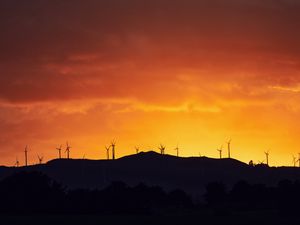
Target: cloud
{"type": "Point", "coordinates": [52, 50]}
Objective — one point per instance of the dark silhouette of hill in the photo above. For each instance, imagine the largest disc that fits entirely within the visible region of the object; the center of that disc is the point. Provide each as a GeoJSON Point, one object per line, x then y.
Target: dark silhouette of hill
{"type": "Point", "coordinates": [189, 174]}
{"type": "Point", "coordinates": [28, 193]}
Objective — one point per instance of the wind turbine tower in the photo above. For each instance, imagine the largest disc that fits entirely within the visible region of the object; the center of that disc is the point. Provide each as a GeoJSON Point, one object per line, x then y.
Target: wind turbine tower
{"type": "Point", "coordinates": [220, 151]}
{"type": "Point", "coordinates": [294, 161]}
{"type": "Point", "coordinates": [177, 151]}
{"type": "Point", "coordinates": [113, 145]}
{"type": "Point", "coordinates": [40, 159]}
{"type": "Point", "coordinates": [17, 162]}
{"type": "Point", "coordinates": [26, 154]}
{"type": "Point", "coordinates": [107, 152]}
{"type": "Point", "coordinates": [59, 151]}
{"type": "Point", "coordinates": [162, 149]}
{"type": "Point", "coordinates": [228, 147]}
{"type": "Point", "coordinates": [68, 150]}
{"type": "Point", "coordinates": [137, 150]}
{"type": "Point", "coordinates": [267, 156]}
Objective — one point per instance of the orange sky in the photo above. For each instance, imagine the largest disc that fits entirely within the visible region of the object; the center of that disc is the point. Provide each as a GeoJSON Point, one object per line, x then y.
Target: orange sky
{"type": "Point", "coordinates": [189, 72]}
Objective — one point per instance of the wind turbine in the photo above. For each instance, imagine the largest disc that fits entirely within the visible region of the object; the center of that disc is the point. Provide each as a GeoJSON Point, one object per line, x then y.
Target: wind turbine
{"type": "Point", "coordinates": [228, 147]}
{"type": "Point", "coordinates": [267, 157]}
{"type": "Point", "coordinates": [220, 151]}
{"type": "Point", "coordinates": [17, 162]}
{"type": "Point", "coordinates": [162, 149]}
{"type": "Point", "coordinates": [40, 159]}
{"type": "Point", "coordinates": [113, 145]}
{"type": "Point", "coordinates": [137, 149]}
{"type": "Point", "coordinates": [59, 151]}
{"type": "Point", "coordinates": [26, 158]}
{"type": "Point", "coordinates": [261, 162]}
{"type": "Point", "coordinates": [294, 160]}
{"type": "Point", "coordinates": [68, 150]}
{"type": "Point", "coordinates": [177, 150]}
{"type": "Point", "coordinates": [107, 152]}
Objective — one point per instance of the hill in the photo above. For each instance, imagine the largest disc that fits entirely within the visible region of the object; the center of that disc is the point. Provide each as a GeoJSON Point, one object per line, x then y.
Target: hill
{"type": "Point", "coordinates": [190, 174]}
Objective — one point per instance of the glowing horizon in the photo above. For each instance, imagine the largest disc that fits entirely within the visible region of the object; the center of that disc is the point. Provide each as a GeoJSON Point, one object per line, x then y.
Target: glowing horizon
{"type": "Point", "coordinates": [100, 153]}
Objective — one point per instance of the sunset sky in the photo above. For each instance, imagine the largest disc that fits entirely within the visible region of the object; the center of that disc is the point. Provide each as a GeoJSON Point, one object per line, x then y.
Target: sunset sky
{"type": "Point", "coordinates": [188, 72]}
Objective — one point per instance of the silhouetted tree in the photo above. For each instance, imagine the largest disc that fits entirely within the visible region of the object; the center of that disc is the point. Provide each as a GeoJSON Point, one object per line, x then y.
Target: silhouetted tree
{"type": "Point", "coordinates": [215, 193]}
{"type": "Point", "coordinates": [30, 192]}
{"type": "Point", "coordinates": [179, 199]}
{"type": "Point", "coordinates": [251, 163]}
{"type": "Point", "coordinates": [287, 196]}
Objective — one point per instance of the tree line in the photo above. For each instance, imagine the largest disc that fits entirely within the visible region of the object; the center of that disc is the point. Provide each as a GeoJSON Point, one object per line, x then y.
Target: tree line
{"type": "Point", "coordinates": [34, 192]}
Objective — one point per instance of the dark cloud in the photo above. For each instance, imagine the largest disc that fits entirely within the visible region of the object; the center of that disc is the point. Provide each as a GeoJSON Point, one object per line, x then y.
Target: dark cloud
{"type": "Point", "coordinates": [63, 49]}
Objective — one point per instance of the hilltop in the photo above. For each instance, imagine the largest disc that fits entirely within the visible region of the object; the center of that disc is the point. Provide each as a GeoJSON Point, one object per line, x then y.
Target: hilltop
{"type": "Point", "coordinates": [191, 174]}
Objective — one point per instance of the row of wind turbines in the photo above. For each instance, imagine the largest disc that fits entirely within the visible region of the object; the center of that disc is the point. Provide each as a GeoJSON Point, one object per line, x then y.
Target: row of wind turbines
{"type": "Point", "coordinates": [111, 153]}
{"type": "Point", "coordinates": [41, 158]}
{"type": "Point", "coordinates": [67, 151]}
{"type": "Point", "coordinates": [220, 150]}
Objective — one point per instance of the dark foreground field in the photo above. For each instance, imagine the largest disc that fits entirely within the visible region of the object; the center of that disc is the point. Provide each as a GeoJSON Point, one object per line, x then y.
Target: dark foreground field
{"type": "Point", "coordinates": [249, 218]}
